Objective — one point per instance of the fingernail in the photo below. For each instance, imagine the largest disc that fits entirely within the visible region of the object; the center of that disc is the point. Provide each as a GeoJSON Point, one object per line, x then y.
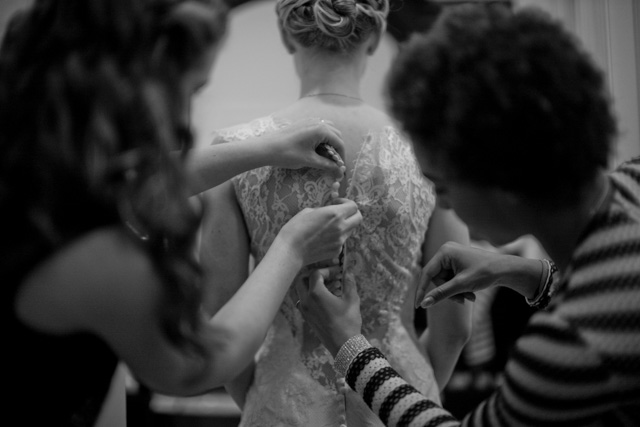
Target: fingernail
{"type": "Point", "coordinates": [428, 301]}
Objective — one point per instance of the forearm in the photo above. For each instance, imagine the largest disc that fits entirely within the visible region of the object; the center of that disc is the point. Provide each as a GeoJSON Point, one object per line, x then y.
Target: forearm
{"type": "Point", "coordinates": [371, 376]}
{"type": "Point", "coordinates": [212, 165]}
{"type": "Point", "coordinates": [449, 329]}
{"type": "Point", "coordinates": [238, 387]}
{"type": "Point", "coordinates": [443, 352]}
{"type": "Point", "coordinates": [521, 275]}
{"type": "Point", "coordinates": [247, 316]}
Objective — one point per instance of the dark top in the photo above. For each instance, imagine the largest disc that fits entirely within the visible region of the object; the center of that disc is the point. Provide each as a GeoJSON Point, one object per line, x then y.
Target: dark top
{"type": "Point", "coordinates": [51, 380]}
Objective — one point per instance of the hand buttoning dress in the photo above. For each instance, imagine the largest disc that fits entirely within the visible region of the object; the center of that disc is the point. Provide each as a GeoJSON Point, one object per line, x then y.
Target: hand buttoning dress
{"type": "Point", "coordinates": [295, 383]}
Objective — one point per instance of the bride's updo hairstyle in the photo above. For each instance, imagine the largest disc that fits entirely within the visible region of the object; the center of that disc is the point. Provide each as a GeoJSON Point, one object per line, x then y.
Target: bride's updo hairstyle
{"type": "Point", "coordinates": [334, 25]}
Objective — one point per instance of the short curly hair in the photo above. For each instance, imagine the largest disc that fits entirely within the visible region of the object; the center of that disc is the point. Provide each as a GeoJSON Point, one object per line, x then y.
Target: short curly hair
{"type": "Point", "coordinates": [506, 99]}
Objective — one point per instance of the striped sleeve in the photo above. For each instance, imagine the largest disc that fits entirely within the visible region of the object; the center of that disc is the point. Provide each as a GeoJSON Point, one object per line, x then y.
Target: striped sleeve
{"type": "Point", "coordinates": [579, 362]}
{"type": "Point", "coordinates": [394, 401]}
{"type": "Point", "coordinates": [576, 364]}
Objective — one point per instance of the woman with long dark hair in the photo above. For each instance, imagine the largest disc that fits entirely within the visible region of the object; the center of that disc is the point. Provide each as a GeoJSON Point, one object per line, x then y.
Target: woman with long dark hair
{"type": "Point", "coordinates": [98, 230]}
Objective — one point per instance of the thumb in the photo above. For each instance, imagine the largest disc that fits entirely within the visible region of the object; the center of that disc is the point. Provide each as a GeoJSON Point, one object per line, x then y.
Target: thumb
{"type": "Point", "coordinates": [318, 278]}
{"type": "Point", "coordinates": [320, 162]}
{"type": "Point", "coordinates": [349, 288]}
{"type": "Point", "coordinates": [433, 272]}
{"type": "Point", "coordinates": [442, 292]}
{"type": "Point", "coordinates": [302, 284]}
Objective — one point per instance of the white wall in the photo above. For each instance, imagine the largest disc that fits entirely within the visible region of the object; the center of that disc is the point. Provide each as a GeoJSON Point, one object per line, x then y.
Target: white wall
{"type": "Point", "coordinates": [610, 31]}
{"type": "Point", "coordinates": [254, 75]}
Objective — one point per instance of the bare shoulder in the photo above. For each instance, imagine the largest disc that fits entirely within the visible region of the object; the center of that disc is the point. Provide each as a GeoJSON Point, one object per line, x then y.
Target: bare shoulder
{"type": "Point", "coordinates": [99, 275]}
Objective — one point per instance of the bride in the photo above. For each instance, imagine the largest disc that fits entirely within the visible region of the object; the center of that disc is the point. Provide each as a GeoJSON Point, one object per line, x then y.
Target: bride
{"type": "Point", "coordinates": [292, 382]}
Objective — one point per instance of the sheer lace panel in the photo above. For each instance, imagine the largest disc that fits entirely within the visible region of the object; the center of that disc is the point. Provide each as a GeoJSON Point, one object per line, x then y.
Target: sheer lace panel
{"type": "Point", "coordinates": [384, 254]}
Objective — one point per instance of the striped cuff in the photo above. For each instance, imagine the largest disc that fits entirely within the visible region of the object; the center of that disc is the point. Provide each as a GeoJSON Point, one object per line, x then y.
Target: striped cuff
{"type": "Point", "coordinates": [396, 402]}
{"type": "Point", "coordinates": [348, 352]}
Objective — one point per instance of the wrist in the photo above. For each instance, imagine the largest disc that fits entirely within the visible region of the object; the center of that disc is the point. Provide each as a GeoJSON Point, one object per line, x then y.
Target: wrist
{"type": "Point", "coordinates": [264, 151]}
{"type": "Point", "coordinates": [286, 248]}
{"type": "Point", "coordinates": [545, 289]}
{"type": "Point", "coordinates": [525, 276]}
{"type": "Point", "coordinates": [338, 340]}
{"type": "Point", "coordinates": [348, 351]}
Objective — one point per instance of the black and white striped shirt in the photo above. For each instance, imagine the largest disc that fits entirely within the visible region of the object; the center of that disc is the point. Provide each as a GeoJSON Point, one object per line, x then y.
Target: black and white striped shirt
{"type": "Point", "coordinates": [578, 363]}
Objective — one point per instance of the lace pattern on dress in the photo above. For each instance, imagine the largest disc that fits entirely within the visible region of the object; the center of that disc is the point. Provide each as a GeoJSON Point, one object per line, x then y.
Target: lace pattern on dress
{"type": "Point", "coordinates": [384, 254]}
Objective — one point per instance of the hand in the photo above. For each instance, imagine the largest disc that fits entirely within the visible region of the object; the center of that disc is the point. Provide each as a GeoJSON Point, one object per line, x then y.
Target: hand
{"type": "Point", "coordinates": [295, 145]}
{"type": "Point", "coordinates": [317, 234]}
{"type": "Point", "coordinates": [334, 319]}
{"type": "Point", "coordinates": [457, 271]}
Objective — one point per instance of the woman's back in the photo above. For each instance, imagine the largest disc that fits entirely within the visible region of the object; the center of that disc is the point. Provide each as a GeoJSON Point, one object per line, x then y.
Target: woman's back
{"type": "Point", "coordinates": [384, 179]}
{"type": "Point", "coordinates": [294, 381]}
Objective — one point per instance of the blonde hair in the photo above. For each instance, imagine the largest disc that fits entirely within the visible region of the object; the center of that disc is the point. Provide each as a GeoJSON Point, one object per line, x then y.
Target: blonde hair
{"type": "Point", "coordinates": [334, 25]}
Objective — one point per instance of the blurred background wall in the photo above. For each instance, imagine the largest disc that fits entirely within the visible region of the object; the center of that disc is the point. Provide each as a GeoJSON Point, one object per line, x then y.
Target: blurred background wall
{"type": "Point", "coordinates": [254, 75]}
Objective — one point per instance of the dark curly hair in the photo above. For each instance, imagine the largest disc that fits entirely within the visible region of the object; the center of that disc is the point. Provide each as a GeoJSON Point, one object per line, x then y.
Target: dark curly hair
{"type": "Point", "coordinates": [506, 99]}
{"type": "Point", "coordinates": [87, 131]}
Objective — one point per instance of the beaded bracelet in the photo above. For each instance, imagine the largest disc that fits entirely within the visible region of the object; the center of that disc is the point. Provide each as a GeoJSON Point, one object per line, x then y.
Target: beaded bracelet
{"type": "Point", "coordinates": [546, 291]}
{"type": "Point", "coordinates": [349, 350]}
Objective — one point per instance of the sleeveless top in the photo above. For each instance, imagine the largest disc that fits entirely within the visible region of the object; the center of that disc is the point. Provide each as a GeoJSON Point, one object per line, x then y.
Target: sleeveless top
{"type": "Point", "coordinates": [51, 380]}
{"type": "Point", "coordinates": [295, 383]}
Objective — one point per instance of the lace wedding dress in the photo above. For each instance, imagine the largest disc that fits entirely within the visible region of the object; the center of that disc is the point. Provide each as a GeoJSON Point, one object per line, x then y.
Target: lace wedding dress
{"type": "Point", "coordinates": [295, 383]}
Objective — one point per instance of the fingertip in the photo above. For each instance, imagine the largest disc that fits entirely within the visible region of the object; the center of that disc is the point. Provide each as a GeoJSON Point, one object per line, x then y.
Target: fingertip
{"type": "Point", "coordinates": [427, 302]}
{"type": "Point", "coordinates": [419, 298]}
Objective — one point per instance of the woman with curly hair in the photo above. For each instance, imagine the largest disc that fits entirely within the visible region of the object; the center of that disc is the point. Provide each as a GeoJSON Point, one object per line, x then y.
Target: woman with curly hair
{"type": "Point", "coordinates": [513, 121]}
{"type": "Point", "coordinates": [293, 381]}
{"type": "Point", "coordinates": [98, 231]}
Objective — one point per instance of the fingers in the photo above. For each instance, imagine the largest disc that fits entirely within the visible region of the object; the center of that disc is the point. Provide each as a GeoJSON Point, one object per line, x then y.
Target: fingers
{"type": "Point", "coordinates": [429, 272]}
{"type": "Point", "coordinates": [317, 280]}
{"type": "Point", "coordinates": [315, 284]}
{"type": "Point", "coordinates": [451, 290]}
{"type": "Point", "coordinates": [436, 295]}
{"type": "Point", "coordinates": [301, 285]}
{"type": "Point", "coordinates": [321, 162]}
{"type": "Point", "coordinates": [348, 209]}
{"type": "Point", "coordinates": [333, 136]}
{"type": "Point", "coordinates": [349, 289]}
{"type": "Point", "coordinates": [448, 280]}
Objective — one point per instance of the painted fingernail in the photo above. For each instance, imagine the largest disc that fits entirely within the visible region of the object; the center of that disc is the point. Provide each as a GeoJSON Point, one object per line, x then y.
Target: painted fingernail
{"type": "Point", "coordinates": [428, 301]}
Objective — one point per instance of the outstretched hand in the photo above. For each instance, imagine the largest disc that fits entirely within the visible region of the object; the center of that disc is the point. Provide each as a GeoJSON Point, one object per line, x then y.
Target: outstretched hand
{"type": "Point", "coordinates": [458, 271]}
{"type": "Point", "coordinates": [334, 319]}
{"type": "Point", "coordinates": [297, 144]}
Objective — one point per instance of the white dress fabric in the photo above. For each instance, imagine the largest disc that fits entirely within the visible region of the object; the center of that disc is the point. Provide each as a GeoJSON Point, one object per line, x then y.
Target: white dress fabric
{"type": "Point", "coordinates": [295, 383]}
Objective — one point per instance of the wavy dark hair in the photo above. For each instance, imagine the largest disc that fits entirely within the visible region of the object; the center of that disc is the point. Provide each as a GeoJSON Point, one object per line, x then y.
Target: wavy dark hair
{"type": "Point", "coordinates": [88, 134]}
{"type": "Point", "coordinates": [506, 99]}
{"type": "Point", "coordinates": [184, 31]}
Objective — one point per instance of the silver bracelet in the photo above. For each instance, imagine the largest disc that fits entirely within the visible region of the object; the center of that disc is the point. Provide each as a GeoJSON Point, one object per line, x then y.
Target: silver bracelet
{"type": "Point", "coordinates": [349, 350]}
{"type": "Point", "coordinates": [543, 297]}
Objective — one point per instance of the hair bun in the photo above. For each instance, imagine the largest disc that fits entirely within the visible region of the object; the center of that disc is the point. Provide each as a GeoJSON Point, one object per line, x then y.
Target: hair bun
{"type": "Point", "coordinates": [345, 7]}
